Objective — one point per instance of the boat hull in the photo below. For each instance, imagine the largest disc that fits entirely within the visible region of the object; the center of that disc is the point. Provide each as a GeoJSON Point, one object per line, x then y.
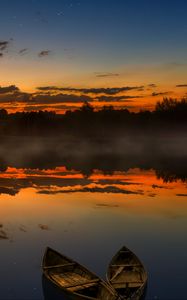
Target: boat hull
{"type": "Point", "coordinates": [127, 275]}
{"type": "Point", "coordinates": [75, 281]}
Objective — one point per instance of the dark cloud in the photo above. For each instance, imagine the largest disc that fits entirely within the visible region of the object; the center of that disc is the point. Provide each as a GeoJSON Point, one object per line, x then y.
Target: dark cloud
{"type": "Point", "coordinates": [23, 51]}
{"type": "Point", "coordinates": [8, 190]}
{"type": "Point", "coordinates": [22, 228]}
{"type": "Point", "coordinates": [155, 186]}
{"type": "Point", "coordinates": [116, 98]}
{"type": "Point", "coordinates": [60, 98]}
{"type": "Point", "coordinates": [98, 74]}
{"type": "Point", "coordinates": [52, 97]}
{"type": "Point", "coordinates": [9, 89]}
{"type": "Point", "coordinates": [159, 93]}
{"type": "Point", "coordinates": [152, 195]}
{"type": "Point", "coordinates": [35, 107]}
{"type": "Point", "coordinates": [181, 195]}
{"type": "Point", "coordinates": [43, 227]}
{"type": "Point", "coordinates": [44, 53]}
{"type": "Point", "coordinates": [41, 183]}
{"type": "Point", "coordinates": [152, 85]}
{"type": "Point", "coordinates": [1, 54]}
{"type": "Point", "coordinates": [3, 235]}
{"type": "Point", "coordinates": [15, 98]}
{"type": "Point", "coordinates": [12, 94]}
{"type": "Point", "coordinates": [4, 45]}
{"type": "Point", "coordinates": [181, 85]}
{"type": "Point", "coordinates": [100, 205]}
{"type": "Point", "coordinates": [112, 181]}
{"type": "Point", "coordinates": [107, 189]}
{"type": "Point", "coordinates": [107, 91]}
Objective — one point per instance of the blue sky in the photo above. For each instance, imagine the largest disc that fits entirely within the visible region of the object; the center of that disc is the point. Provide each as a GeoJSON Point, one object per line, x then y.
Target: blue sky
{"type": "Point", "coordinates": [122, 29]}
{"type": "Point", "coordinates": [140, 40]}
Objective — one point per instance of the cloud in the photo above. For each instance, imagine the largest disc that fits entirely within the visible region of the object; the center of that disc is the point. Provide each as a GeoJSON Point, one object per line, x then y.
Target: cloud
{"type": "Point", "coordinates": [22, 228]}
{"type": "Point", "coordinates": [107, 189]}
{"type": "Point", "coordinates": [116, 98]}
{"type": "Point", "coordinates": [4, 45]}
{"type": "Point", "coordinates": [12, 94]}
{"type": "Point", "coordinates": [103, 205]}
{"type": "Point", "coordinates": [152, 85]}
{"type": "Point", "coordinates": [1, 54]}
{"type": "Point", "coordinates": [107, 91]}
{"type": "Point", "coordinates": [99, 74]}
{"type": "Point", "coordinates": [181, 85]}
{"type": "Point", "coordinates": [23, 51]}
{"type": "Point", "coordinates": [155, 186]}
{"type": "Point", "coordinates": [154, 94]}
{"type": "Point", "coordinates": [181, 195]}
{"type": "Point", "coordinates": [116, 181]}
{"type": "Point", "coordinates": [152, 195]}
{"type": "Point", "coordinates": [8, 190]}
{"type": "Point", "coordinates": [43, 227]}
{"type": "Point", "coordinates": [8, 89]}
{"type": "Point", "coordinates": [14, 98]}
{"type": "Point", "coordinates": [3, 235]}
{"type": "Point", "coordinates": [44, 53]}
{"type": "Point", "coordinates": [35, 107]}
{"type": "Point", "coordinates": [60, 98]}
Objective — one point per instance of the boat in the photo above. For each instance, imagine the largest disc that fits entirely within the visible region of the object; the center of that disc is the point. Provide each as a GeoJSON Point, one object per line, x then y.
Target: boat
{"type": "Point", "coordinates": [127, 275]}
{"type": "Point", "coordinates": [74, 280]}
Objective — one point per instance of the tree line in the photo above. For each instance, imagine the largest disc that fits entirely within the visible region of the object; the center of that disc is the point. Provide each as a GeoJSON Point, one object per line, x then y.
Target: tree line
{"type": "Point", "coordinates": [169, 115]}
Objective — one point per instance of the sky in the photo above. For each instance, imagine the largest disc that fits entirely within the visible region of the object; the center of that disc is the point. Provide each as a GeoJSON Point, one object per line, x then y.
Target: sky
{"type": "Point", "coordinates": [56, 54]}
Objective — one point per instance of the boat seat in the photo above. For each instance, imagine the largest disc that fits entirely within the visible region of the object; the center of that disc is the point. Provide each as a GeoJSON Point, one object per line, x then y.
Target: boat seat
{"type": "Point", "coordinates": [83, 283]}
{"type": "Point", "coordinates": [129, 282]}
{"type": "Point", "coordinates": [126, 265]}
{"type": "Point", "coordinates": [60, 265]}
{"type": "Point", "coordinates": [82, 286]}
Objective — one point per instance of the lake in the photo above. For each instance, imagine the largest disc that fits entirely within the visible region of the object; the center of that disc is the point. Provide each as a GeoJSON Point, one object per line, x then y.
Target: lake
{"type": "Point", "coordinates": [87, 206]}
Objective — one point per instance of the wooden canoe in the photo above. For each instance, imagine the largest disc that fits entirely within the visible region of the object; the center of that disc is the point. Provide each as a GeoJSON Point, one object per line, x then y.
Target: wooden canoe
{"type": "Point", "coordinates": [74, 280]}
{"type": "Point", "coordinates": [127, 275]}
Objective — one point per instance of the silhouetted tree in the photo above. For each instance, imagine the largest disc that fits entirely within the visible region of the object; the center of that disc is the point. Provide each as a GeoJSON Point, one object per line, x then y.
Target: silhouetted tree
{"type": "Point", "coordinates": [107, 122]}
{"type": "Point", "coordinates": [171, 105]}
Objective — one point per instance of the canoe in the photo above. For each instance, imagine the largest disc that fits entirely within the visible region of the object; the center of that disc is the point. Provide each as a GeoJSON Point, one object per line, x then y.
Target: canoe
{"type": "Point", "coordinates": [127, 275]}
{"type": "Point", "coordinates": [74, 280]}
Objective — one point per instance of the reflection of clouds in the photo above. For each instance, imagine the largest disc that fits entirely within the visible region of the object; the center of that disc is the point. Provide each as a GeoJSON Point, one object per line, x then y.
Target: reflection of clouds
{"type": "Point", "coordinates": [103, 205]}
{"type": "Point", "coordinates": [37, 159]}
{"type": "Point", "coordinates": [43, 227]}
{"type": "Point", "coordinates": [60, 180]}
{"type": "Point", "coordinates": [152, 195]}
{"type": "Point", "coordinates": [106, 189]}
{"type": "Point", "coordinates": [3, 235]}
{"type": "Point", "coordinates": [8, 233]}
{"type": "Point", "coordinates": [22, 228]}
{"type": "Point", "coordinates": [156, 186]}
{"type": "Point", "coordinates": [8, 190]}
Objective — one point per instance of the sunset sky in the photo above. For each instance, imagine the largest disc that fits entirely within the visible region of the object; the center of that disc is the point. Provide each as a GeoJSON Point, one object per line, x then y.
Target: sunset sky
{"type": "Point", "coordinates": [58, 54]}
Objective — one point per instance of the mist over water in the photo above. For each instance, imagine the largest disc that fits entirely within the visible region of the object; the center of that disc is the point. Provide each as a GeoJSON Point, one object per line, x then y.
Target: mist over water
{"type": "Point", "coordinates": [87, 198]}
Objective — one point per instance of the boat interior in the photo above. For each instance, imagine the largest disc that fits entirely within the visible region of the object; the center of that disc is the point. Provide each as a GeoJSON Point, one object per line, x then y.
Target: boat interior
{"type": "Point", "coordinates": [71, 277]}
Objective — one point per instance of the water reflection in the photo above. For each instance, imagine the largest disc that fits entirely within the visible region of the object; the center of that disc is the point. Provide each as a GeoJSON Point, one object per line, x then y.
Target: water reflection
{"type": "Point", "coordinates": [88, 206]}
{"type": "Point", "coordinates": [167, 156]}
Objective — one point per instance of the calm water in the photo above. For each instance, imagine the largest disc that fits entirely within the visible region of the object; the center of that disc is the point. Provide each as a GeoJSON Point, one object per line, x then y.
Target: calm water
{"type": "Point", "coordinates": [87, 208]}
